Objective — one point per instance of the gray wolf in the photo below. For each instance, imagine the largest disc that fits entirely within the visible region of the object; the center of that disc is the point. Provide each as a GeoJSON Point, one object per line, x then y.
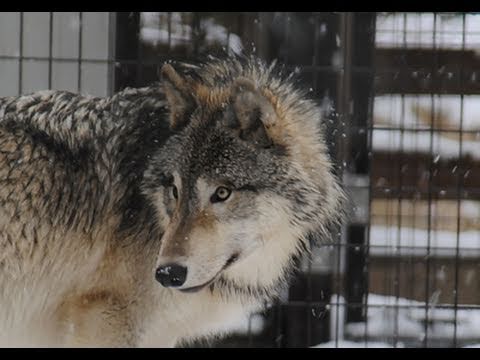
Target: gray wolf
{"type": "Point", "coordinates": [158, 215]}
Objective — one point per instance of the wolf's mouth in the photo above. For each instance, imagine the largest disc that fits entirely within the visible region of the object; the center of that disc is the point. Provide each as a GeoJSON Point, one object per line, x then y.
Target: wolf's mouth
{"type": "Point", "coordinates": [194, 289]}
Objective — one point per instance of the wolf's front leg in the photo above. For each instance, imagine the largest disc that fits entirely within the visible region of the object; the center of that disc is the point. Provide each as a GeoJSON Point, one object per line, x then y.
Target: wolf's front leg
{"type": "Point", "coordinates": [98, 319]}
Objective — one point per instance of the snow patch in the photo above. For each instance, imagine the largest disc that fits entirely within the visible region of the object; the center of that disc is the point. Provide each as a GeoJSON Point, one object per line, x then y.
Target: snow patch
{"type": "Point", "coordinates": [405, 124]}
{"type": "Point", "coordinates": [389, 317]}
{"type": "Point", "coordinates": [352, 344]}
{"type": "Point", "coordinates": [423, 30]}
{"type": "Point", "coordinates": [253, 325]}
{"type": "Point", "coordinates": [403, 111]}
{"type": "Point", "coordinates": [156, 31]}
{"type": "Point", "coordinates": [404, 241]}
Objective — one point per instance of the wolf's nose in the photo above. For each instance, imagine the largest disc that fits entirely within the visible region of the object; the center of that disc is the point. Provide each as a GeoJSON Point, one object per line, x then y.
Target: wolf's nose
{"type": "Point", "coordinates": [171, 275]}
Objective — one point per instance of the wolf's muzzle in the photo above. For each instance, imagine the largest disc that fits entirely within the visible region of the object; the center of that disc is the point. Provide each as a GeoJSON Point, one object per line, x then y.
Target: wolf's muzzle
{"type": "Point", "coordinates": [171, 275]}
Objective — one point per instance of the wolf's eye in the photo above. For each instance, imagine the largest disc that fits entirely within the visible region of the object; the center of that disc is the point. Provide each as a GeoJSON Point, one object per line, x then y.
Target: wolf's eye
{"type": "Point", "coordinates": [175, 192]}
{"type": "Point", "coordinates": [221, 194]}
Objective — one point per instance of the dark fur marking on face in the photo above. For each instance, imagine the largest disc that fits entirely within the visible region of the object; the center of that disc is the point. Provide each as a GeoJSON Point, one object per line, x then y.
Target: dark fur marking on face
{"type": "Point", "coordinates": [231, 260]}
{"type": "Point", "coordinates": [166, 180]}
{"type": "Point", "coordinates": [146, 135]}
{"type": "Point", "coordinates": [247, 187]}
{"type": "Point", "coordinates": [278, 150]}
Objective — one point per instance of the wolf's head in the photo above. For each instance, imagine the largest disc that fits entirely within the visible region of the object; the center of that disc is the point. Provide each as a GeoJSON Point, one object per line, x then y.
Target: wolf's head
{"type": "Point", "coordinates": [243, 182]}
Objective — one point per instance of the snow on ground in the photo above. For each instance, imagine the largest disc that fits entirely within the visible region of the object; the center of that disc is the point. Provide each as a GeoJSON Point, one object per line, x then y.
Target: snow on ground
{"type": "Point", "coordinates": [155, 30]}
{"type": "Point", "coordinates": [470, 209]}
{"type": "Point", "coordinates": [368, 344]}
{"type": "Point", "coordinates": [252, 325]}
{"type": "Point", "coordinates": [423, 142]}
{"type": "Point", "coordinates": [352, 344]}
{"type": "Point", "coordinates": [404, 241]}
{"type": "Point", "coordinates": [401, 111]}
{"type": "Point", "coordinates": [413, 113]}
{"type": "Point", "coordinates": [423, 30]}
{"type": "Point", "coordinates": [389, 317]}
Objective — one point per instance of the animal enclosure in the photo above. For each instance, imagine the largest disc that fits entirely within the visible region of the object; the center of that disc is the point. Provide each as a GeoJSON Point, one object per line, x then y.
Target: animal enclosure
{"type": "Point", "coordinates": [401, 97]}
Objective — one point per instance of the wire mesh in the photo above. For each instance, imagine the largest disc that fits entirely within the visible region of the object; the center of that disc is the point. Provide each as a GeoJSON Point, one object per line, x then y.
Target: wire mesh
{"type": "Point", "coordinates": [56, 51]}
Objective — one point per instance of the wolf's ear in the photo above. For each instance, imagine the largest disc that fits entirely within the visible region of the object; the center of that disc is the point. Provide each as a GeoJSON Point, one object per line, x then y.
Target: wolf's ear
{"type": "Point", "coordinates": [179, 96]}
{"type": "Point", "coordinates": [254, 113]}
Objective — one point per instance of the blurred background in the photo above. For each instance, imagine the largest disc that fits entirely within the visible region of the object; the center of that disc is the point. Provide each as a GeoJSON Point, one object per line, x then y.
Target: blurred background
{"type": "Point", "coordinates": [400, 92]}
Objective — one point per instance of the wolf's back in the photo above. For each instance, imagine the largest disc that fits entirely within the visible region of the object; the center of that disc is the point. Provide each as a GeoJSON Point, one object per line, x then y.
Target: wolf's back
{"type": "Point", "coordinates": [60, 159]}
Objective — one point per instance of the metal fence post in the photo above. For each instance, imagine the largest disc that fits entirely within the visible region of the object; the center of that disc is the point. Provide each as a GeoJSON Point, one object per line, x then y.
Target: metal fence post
{"type": "Point", "coordinates": [354, 95]}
